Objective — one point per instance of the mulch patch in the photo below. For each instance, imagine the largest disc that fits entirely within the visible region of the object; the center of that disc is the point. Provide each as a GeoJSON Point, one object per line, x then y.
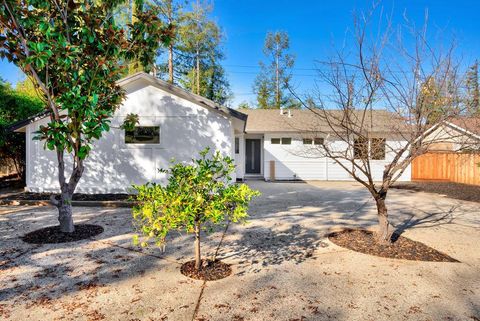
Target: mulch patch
{"type": "Point", "coordinates": [402, 248]}
{"type": "Point", "coordinates": [210, 271]}
{"type": "Point", "coordinates": [52, 234]}
{"type": "Point", "coordinates": [458, 191]}
{"type": "Point", "coordinates": [76, 197]}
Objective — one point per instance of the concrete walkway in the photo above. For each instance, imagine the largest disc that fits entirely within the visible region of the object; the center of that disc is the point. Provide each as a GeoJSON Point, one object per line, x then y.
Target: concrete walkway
{"type": "Point", "coordinates": [284, 267]}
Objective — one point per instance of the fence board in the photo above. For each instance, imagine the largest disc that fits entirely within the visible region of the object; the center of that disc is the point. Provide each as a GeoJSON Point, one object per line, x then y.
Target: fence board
{"type": "Point", "coordinates": [453, 167]}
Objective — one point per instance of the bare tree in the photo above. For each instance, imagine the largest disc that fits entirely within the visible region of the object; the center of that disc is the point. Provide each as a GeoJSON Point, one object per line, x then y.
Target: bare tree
{"type": "Point", "coordinates": [399, 71]}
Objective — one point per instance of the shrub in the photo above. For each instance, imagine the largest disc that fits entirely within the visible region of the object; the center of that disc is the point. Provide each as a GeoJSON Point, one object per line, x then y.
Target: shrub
{"type": "Point", "coordinates": [197, 196]}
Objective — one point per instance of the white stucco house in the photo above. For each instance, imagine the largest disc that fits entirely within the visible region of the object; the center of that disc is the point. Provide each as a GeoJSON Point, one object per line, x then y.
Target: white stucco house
{"type": "Point", "coordinates": [173, 123]}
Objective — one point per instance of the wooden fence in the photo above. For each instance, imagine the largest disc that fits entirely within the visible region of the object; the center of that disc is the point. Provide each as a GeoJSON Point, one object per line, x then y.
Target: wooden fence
{"type": "Point", "coordinates": [452, 167]}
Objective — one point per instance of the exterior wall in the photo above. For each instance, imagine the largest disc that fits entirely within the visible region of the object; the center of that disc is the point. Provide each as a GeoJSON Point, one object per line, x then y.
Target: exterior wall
{"type": "Point", "coordinates": [113, 166]}
{"type": "Point", "coordinates": [298, 161]}
{"type": "Point", "coordinates": [240, 157]}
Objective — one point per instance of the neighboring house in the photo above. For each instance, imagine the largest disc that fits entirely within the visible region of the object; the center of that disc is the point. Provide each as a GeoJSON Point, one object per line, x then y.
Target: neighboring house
{"type": "Point", "coordinates": [173, 123]}
{"type": "Point", "coordinates": [459, 134]}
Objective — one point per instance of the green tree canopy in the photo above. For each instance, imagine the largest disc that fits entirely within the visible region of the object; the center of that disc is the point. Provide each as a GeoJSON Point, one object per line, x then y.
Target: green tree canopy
{"type": "Point", "coordinates": [199, 52]}
{"type": "Point", "coordinates": [271, 84]}
{"type": "Point", "coordinates": [473, 90]}
{"type": "Point", "coordinates": [74, 51]}
{"type": "Point", "coordinates": [198, 196]}
{"type": "Point", "coordinates": [15, 105]}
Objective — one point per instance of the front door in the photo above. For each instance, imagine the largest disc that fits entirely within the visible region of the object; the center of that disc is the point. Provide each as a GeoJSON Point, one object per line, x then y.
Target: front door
{"type": "Point", "coordinates": [252, 156]}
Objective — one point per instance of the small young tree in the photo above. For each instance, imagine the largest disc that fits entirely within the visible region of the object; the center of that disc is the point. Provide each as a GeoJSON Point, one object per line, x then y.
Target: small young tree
{"type": "Point", "coordinates": [197, 197]}
{"type": "Point", "coordinates": [416, 87]}
{"type": "Point", "coordinates": [75, 52]}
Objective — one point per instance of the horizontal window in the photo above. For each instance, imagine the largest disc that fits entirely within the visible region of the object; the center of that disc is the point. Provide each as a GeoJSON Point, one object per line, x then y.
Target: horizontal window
{"type": "Point", "coordinates": [307, 141]}
{"type": "Point", "coordinates": [275, 141]}
{"type": "Point", "coordinates": [143, 135]}
{"type": "Point", "coordinates": [318, 141]}
{"type": "Point", "coordinates": [286, 140]}
{"type": "Point", "coordinates": [373, 148]}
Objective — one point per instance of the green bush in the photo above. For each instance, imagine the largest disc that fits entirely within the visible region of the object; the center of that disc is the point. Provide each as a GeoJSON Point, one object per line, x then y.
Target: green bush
{"type": "Point", "coordinates": [198, 196]}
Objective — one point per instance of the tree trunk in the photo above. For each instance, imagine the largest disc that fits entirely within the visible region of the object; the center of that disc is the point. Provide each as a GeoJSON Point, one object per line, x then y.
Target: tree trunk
{"type": "Point", "coordinates": [384, 230]}
{"type": "Point", "coordinates": [198, 72]}
{"type": "Point", "coordinates": [198, 258]}
{"type": "Point", "coordinates": [170, 63]}
{"type": "Point", "coordinates": [64, 203]}
{"type": "Point", "coordinates": [277, 82]}
{"type": "Point", "coordinates": [65, 217]}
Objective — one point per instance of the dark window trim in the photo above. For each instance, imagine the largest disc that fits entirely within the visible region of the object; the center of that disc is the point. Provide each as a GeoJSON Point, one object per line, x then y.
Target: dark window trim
{"type": "Point", "coordinates": [130, 138]}
{"type": "Point", "coordinates": [289, 139]}
{"type": "Point", "coordinates": [237, 145]}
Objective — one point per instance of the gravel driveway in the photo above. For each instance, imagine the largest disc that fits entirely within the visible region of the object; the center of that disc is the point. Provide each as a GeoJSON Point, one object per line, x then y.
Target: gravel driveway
{"type": "Point", "coordinates": [284, 267]}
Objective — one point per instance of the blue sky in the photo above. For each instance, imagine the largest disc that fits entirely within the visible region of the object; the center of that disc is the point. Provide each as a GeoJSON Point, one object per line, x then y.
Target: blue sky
{"type": "Point", "coordinates": [313, 27]}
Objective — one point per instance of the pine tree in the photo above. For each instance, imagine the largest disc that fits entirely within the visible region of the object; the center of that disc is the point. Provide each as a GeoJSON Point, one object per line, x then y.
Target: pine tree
{"type": "Point", "coordinates": [199, 55]}
{"type": "Point", "coordinates": [272, 82]}
{"type": "Point", "coordinates": [473, 90]}
{"type": "Point", "coordinates": [171, 13]}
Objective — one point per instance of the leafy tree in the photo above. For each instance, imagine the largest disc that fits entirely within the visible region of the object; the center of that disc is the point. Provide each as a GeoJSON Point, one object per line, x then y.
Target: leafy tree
{"type": "Point", "coordinates": [244, 105]}
{"type": "Point", "coordinates": [273, 80]}
{"type": "Point", "coordinates": [433, 101]}
{"type": "Point", "coordinates": [199, 55]}
{"type": "Point", "coordinates": [198, 196]}
{"type": "Point", "coordinates": [473, 90]}
{"type": "Point", "coordinates": [75, 52]}
{"type": "Point", "coordinates": [15, 105]}
{"type": "Point", "coordinates": [27, 87]}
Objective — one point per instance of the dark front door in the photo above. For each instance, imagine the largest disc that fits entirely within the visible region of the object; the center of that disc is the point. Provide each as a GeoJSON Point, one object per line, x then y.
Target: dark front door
{"type": "Point", "coordinates": [252, 156]}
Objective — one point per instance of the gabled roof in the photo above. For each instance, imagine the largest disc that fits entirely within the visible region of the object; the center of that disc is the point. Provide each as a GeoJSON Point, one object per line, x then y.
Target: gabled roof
{"type": "Point", "coordinates": [305, 120]}
{"type": "Point", "coordinates": [172, 89]}
{"type": "Point", "coordinates": [182, 93]}
{"type": "Point", "coordinates": [469, 124]}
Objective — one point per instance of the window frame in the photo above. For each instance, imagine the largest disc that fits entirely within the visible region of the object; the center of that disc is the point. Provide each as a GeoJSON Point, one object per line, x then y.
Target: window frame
{"type": "Point", "coordinates": [136, 143]}
{"type": "Point", "coordinates": [384, 149]}
{"type": "Point", "coordinates": [237, 145]}
{"type": "Point", "coordinates": [365, 145]}
{"type": "Point", "coordinates": [368, 151]}
{"type": "Point", "coordinates": [287, 138]}
{"type": "Point", "coordinates": [322, 140]}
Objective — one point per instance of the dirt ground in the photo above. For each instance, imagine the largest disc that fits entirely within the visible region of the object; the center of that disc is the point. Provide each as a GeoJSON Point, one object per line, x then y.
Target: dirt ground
{"type": "Point", "coordinates": [448, 189]}
{"type": "Point", "coordinates": [284, 267]}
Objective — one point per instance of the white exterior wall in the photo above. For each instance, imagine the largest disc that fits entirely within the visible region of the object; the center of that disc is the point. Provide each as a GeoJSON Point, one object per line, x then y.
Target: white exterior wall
{"type": "Point", "coordinates": [298, 161]}
{"type": "Point", "coordinates": [240, 157]}
{"type": "Point", "coordinates": [113, 166]}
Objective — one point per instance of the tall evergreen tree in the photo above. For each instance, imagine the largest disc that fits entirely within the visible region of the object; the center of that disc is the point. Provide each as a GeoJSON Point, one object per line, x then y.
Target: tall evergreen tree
{"type": "Point", "coordinates": [473, 90]}
{"type": "Point", "coordinates": [171, 13]}
{"type": "Point", "coordinates": [199, 51]}
{"type": "Point", "coordinates": [273, 80]}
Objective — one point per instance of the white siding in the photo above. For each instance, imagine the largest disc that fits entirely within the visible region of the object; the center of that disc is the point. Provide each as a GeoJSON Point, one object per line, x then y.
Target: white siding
{"type": "Point", "coordinates": [298, 161]}
{"type": "Point", "coordinates": [240, 157]}
{"type": "Point", "coordinates": [113, 166]}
